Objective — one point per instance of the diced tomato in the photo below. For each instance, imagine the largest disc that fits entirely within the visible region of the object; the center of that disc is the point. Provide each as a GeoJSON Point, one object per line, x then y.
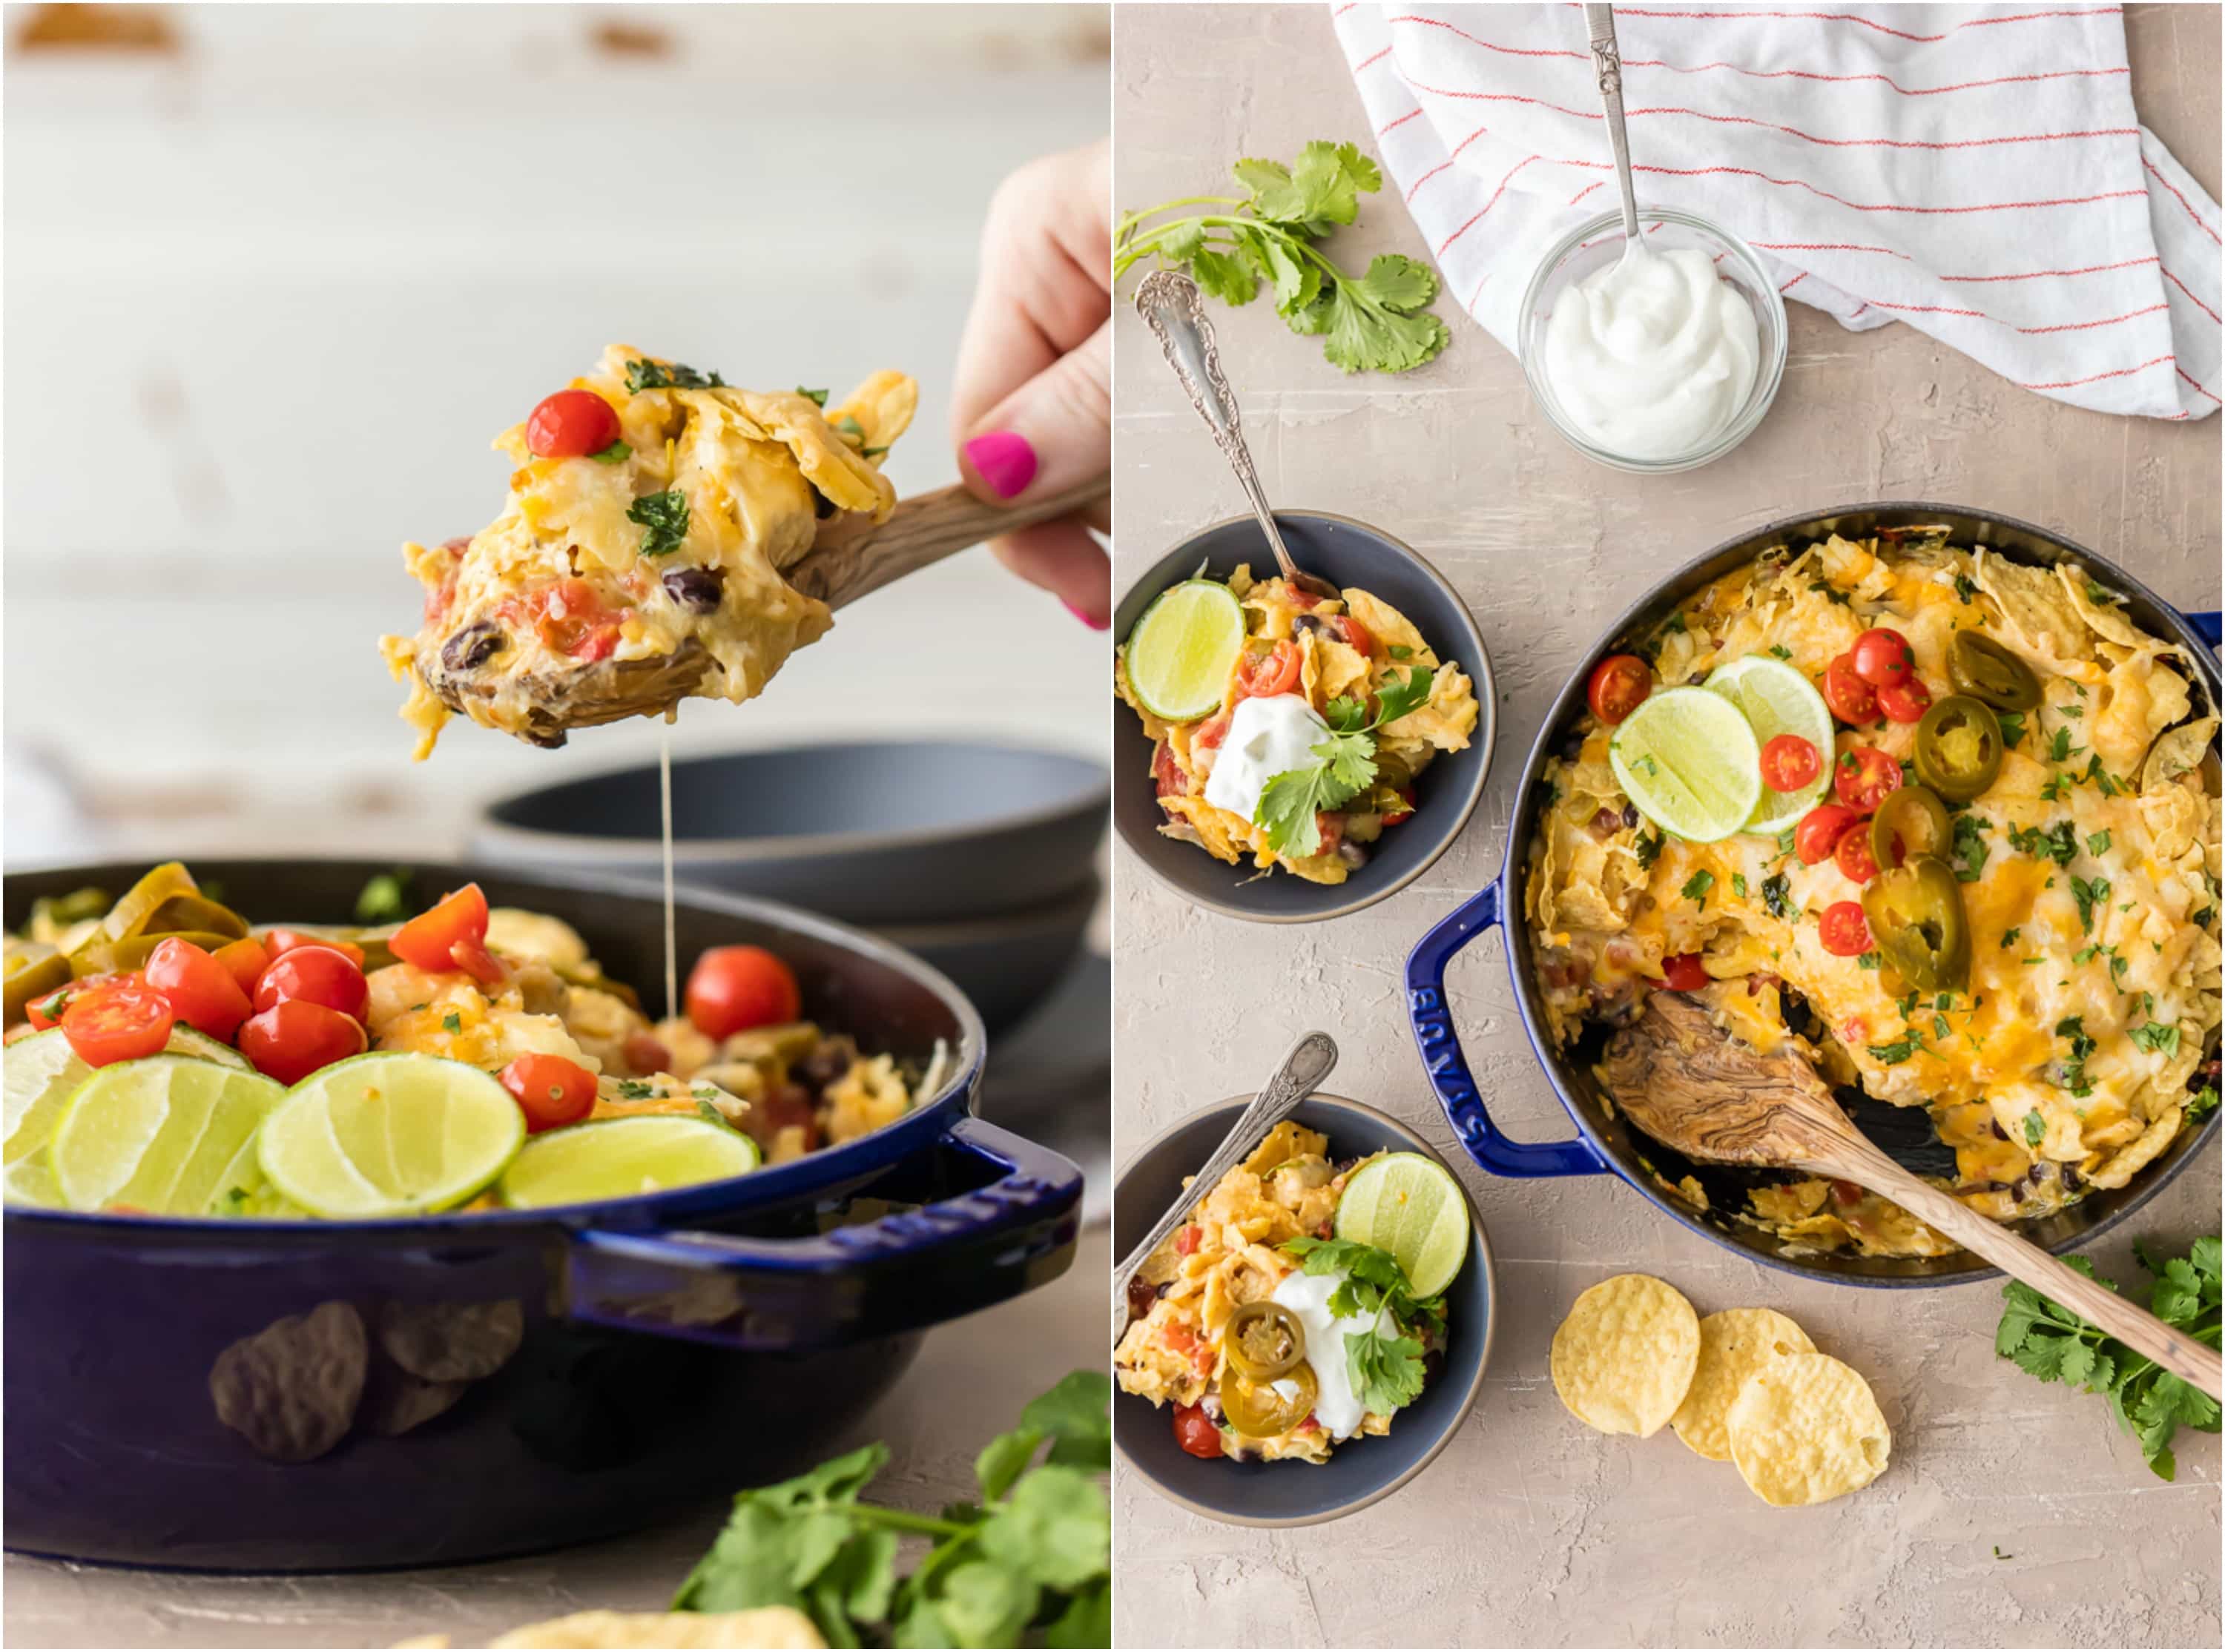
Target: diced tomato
{"type": "Point", "coordinates": [200, 990]}
{"type": "Point", "coordinates": [1881, 655]}
{"type": "Point", "coordinates": [294, 1037]}
{"type": "Point", "coordinates": [1866, 777]}
{"type": "Point", "coordinates": [1618, 685]}
{"type": "Point", "coordinates": [1851, 700]}
{"type": "Point", "coordinates": [120, 1020]}
{"type": "Point", "coordinates": [276, 941]}
{"type": "Point", "coordinates": [1188, 1239]}
{"type": "Point", "coordinates": [1819, 831]}
{"type": "Point", "coordinates": [571, 424]}
{"type": "Point", "coordinates": [571, 619]}
{"type": "Point", "coordinates": [244, 960]}
{"type": "Point", "coordinates": [1845, 931]}
{"type": "Point", "coordinates": [1788, 763]}
{"type": "Point", "coordinates": [1905, 702]}
{"type": "Point", "coordinates": [1357, 635]}
{"type": "Point", "coordinates": [1685, 972]}
{"type": "Point", "coordinates": [1166, 773]}
{"type": "Point", "coordinates": [321, 975]}
{"type": "Point", "coordinates": [551, 1091]}
{"type": "Point", "coordinates": [645, 1053]}
{"type": "Point", "coordinates": [733, 989]}
{"type": "Point", "coordinates": [1846, 1192]}
{"type": "Point", "coordinates": [1262, 676]}
{"type": "Point", "coordinates": [1853, 856]}
{"type": "Point", "coordinates": [1195, 1432]}
{"type": "Point", "coordinates": [1211, 733]}
{"type": "Point", "coordinates": [429, 939]}
{"type": "Point", "coordinates": [1331, 828]}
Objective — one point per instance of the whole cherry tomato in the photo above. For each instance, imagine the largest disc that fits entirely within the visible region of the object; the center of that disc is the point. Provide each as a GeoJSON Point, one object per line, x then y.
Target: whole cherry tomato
{"type": "Point", "coordinates": [120, 1020]}
{"type": "Point", "coordinates": [571, 424]}
{"type": "Point", "coordinates": [294, 1037]}
{"type": "Point", "coordinates": [1882, 656]}
{"type": "Point", "coordinates": [1906, 702]}
{"type": "Point", "coordinates": [1866, 777]}
{"type": "Point", "coordinates": [317, 975]}
{"type": "Point", "coordinates": [1618, 685]}
{"type": "Point", "coordinates": [733, 989]}
{"type": "Point", "coordinates": [1262, 676]}
{"type": "Point", "coordinates": [1685, 972]}
{"type": "Point", "coordinates": [1845, 931]}
{"type": "Point", "coordinates": [1819, 831]}
{"type": "Point", "coordinates": [1195, 1432]}
{"type": "Point", "coordinates": [200, 990]}
{"type": "Point", "coordinates": [1853, 857]}
{"type": "Point", "coordinates": [276, 941]}
{"type": "Point", "coordinates": [1788, 763]}
{"type": "Point", "coordinates": [244, 961]}
{"type": "Point", "coordinates": [1851, 700]}
{"type": "Point", "coordinates": [550, 1091]}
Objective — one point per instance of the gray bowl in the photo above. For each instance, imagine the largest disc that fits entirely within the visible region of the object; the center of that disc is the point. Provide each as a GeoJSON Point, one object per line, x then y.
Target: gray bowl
{"type": "Point", "coordinates": [1006, 962]}
{"type": "Point", "coordinates": [874, 833]}
{"type": "Point", "coordinates": [1344, 553]}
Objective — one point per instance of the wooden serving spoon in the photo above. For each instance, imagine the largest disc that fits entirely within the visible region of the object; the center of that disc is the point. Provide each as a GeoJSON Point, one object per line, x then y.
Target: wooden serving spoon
{"type": "Point", "coordinates": [1684, 1082]}
{"type": "Point", "coordinates": [851, 557]}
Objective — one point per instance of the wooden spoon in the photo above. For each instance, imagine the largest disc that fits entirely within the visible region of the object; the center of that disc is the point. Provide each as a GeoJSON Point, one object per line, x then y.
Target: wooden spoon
{"type": "Point", "coordinates": [1684, 1082]}
{"type": "Point", "coordinates": [851, 557]}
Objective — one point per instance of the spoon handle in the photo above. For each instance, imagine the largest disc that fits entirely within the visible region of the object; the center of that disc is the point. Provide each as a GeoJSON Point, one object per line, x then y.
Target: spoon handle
{"type": "Point", "coordinates": [1856, 1160]}
{"type": "Point", "coordinates": [854, 557]}
{"type": "Point", "coordinates": [1309, 1062]}
{"type": "Point", "coordinates": [1598, 20]}
{"type": "Point", "coordinates": [1169, 304]}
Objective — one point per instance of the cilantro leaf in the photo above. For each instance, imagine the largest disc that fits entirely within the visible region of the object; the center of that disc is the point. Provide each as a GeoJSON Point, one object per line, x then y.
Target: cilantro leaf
{"type": "Point", "coordinates": [665, 515]}
{"type": "Point", "coordinates": [645, 375]}
{"type": "Point", "coordinates": [1696, 887]}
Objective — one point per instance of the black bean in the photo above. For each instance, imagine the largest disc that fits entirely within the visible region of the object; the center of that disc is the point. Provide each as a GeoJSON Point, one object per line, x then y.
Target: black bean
{"type": "Point", "coordinates": [1352, 855]}
{"type": "Point", "coordinates": [1572, 745]}
{"type": "Point", "coordinates": [828, 1063]}
{"type": "Point", "coordinates": [473, 646]}
{"type": "Point", "coordinates": [698, 589]}
{"type": "Point", "coordinates": [1305, 623]}
{"type": "Point", "coordinates": [1630, 816]}
{"type": "Point", "coordinates": [1998, 1132]}
{"type": "Point", "coordinates": [1141, 1294]}
{"type": "Point", "coordinates": [2068, 1177]}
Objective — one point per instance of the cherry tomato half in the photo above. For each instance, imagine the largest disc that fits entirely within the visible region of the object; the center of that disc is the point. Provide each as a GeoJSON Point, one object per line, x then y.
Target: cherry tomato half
{"type": "Point", "coordinates": [1262, 676]}
{"type": "Point", "coordinates": [244, 961]}
{"type": "Point", "coordinates": [1619, 685]}
{"type": "Point", "coordinates": [551, 1091]}
{"type": "Point", "coordinates": [1685, 972]}
{"type": "Point", "coordinates": [321, 975]}
{"type": "Point", "coordinates": [571, 424]}
{"type": "Point", "coordinates": [1355, 633]}
{"type": "Point", "coordinates": [1819, 831]}
{"type": "Point", "coordinates": [1866, 777]}
{"type": "Point", "coordinates": [1906, 702]}
{"type": "Point", "coordinates": [733, 989]}
{"type": "Point", "coordinates": [1882, 656]}
{"type": "Point", "coordinates": [1853, 857]}
{"type": "Point", "coordinates": [1790, 762]}
{"type": "Point", "coordinates": [276, 941]}
{"type": "Point", "coordinates": [429, 939]}
{"type": "Point", "coordinates": [1851, 700]}
{"type": "Point", "coordinates": [200, 990]}
{"type": "Point", "coordinates": [294, 1037]}
{"type": "Point", "coordinates": [1195, 1431]}
{"type": "Point", "coordinates": [1845, 931]}
{"type": "Point", "coordinates": [120, 1019]}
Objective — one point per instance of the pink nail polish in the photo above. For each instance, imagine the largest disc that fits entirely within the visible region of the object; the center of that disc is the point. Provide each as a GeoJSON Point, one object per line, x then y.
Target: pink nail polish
{"type": "Point", "coordinates": [1087, 618]}
{"type": "Point", "coordinates": [1005, 459]}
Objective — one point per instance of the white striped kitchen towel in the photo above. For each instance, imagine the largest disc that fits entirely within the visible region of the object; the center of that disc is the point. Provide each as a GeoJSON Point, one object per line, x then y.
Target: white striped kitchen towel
{"type": "Point", "coordinates": [1976, 172]}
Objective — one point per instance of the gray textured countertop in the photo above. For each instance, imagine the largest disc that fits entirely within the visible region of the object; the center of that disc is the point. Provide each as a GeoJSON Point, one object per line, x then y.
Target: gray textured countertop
{"type": "Point", "coordinates": [2013, 1513]}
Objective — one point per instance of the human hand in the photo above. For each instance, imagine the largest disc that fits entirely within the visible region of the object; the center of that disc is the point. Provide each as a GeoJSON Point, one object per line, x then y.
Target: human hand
{"type": "Point", "coordinates": [1032, 406]}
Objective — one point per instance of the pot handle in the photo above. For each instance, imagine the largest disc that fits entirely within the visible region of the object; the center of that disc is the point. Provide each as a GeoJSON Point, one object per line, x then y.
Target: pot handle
{"type": "Point", "coordinates": [1443, 1059]}
{"type": "Point", "coordinates": [2206, 624]}
{"type": "Point", "coordinates": [902, 1272]}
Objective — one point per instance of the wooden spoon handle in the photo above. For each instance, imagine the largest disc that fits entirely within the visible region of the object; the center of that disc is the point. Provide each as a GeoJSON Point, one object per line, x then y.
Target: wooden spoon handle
{"type": "Point", "coordinates": [1856, 1160]}
{"type": "Point", "coordinates": [847, 563]}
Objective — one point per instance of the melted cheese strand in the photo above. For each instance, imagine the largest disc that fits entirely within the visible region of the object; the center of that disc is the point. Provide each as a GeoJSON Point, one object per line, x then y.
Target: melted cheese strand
{"type": "Point", "coordinates": [664, 801]}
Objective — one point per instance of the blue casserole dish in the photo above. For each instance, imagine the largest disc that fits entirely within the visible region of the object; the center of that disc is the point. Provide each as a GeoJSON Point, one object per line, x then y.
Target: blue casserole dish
{"type": "Point", "coordinates": [674, 1347]}
{"type": "Point", "coordinates": [1604, 1143]}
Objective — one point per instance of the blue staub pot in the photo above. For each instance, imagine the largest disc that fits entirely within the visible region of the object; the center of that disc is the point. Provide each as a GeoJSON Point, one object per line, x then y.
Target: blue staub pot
{"type": "Point", "coordinates": [304, 1395]}
{"type": "Point", "coordinates": [1604, 1142]}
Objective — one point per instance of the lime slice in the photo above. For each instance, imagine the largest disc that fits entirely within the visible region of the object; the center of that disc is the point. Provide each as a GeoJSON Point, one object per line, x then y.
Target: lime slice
{"type": "Point", "coordinates": [1689, 760]}
{"type": "Point", "coordinates": [620, 1158]}
{"type": "Point", "coordinates": [38, 1076]}
{"type": "Point", "coordinates": [389, 1134]}
{"type": "Point", "coordinates": [1408, 1205]}
{"type": "Point", "coordinates": [1778, 698]}
{"type": "Point", "coordinates": [1182, 650]}
{"type": "Point", "coordinates": [171, 1136]}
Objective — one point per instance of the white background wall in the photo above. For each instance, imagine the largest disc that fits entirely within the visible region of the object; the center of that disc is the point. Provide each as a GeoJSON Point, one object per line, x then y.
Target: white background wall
{"type": "Point", "coordinates": [269, 294]}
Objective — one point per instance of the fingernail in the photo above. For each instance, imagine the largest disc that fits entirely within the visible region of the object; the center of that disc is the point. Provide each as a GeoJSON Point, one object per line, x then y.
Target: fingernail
{"type": "Point", "coordinates": [1005, 460]}
{"type": "Point", "coordinates": [1087, 618]}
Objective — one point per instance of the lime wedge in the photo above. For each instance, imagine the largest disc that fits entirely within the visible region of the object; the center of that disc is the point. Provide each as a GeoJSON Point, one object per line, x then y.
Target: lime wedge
{"type": "Point", "coordinates": [620, 1158]}
{"type": "Point", "coordinates": [1182, 650]}
{"type": "Point", "coordinates": [1778, 698]}
{"type": "Point", "coordinates": [171, 1136]}
{"type": "Point", "coordinates": [1689, 760]}
{"type": "Point", "coordinates": [1408, 1205]}
{"type": "Point", "coordinates": [38, 1076]}
{"type": "Point", "coordinates": [389, 1134]}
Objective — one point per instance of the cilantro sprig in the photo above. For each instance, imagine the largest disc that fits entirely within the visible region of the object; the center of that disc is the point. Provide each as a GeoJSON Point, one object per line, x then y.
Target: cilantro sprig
{"type": "Point", "coordinates": [2050, 1342]}
{"type": "Point", "coordinates": [1376, 322]}
{"type": "Point", "coordinates": [1343, 765]}
{"type": "Point", "coordinates": [665, 515]}
{"type": "Point", "coordinates": [1031, 1563]}
{"type": "Point", "coordinates": [1385, 1368]}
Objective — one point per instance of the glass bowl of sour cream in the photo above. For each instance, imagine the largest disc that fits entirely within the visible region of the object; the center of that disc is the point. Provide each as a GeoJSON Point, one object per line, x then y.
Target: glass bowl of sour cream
{"type": "Point", "coordinates": [1661, 362]}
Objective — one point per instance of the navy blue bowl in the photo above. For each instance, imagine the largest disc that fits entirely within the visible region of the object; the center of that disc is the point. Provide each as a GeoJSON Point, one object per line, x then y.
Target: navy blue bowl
{"type": "Point", "coordinates": [1360, 1471]}
{"type": "Point", "coordinates": [1344, 553]}
{"type": "Point", "coordinates": [675, 1347]}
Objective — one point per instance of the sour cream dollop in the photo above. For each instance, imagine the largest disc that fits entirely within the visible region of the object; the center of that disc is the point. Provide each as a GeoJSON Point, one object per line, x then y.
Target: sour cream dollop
{"type": "Point", "coordinates": [1652, 356]}
{"type": "Point", "coordinates": [1266, 737]}
{"type": "Point", "coordinates": [1336, 1407]}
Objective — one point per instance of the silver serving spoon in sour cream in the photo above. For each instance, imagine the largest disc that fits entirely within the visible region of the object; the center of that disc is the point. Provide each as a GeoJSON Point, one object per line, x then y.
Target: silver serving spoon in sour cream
{"type": "Point", "coordinates": [1607, 58]}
